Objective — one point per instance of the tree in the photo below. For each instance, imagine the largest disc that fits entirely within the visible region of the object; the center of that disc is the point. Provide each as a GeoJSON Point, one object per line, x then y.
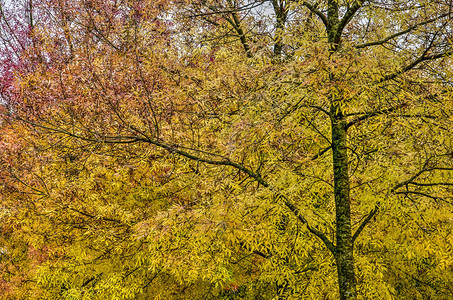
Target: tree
{"type": "Point", "coordinates": [187, 144]}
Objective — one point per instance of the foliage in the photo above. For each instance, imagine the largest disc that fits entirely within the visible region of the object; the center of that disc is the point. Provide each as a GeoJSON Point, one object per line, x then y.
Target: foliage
{"type": "Point", "coordinates": [227, 150]}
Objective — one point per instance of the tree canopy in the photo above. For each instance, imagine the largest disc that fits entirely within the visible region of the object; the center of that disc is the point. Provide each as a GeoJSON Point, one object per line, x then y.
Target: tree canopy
{"type": "Point", "coordinates": [226, 149]}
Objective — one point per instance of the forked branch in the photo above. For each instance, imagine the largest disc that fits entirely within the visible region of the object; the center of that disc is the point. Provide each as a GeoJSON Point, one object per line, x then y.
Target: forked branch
{"type": "Point", "coordinates": [412, 65]}
{"type": "Point", "coordinates": [395, 35]}
{"type": "Point", "coordinates": [316, 232]}
{"type": "Point", "coordinates": [222, 161]}
{"type": "Point", "coordinates": [317, 12]}
{"type": "Point", "coordinates": [349, 15]}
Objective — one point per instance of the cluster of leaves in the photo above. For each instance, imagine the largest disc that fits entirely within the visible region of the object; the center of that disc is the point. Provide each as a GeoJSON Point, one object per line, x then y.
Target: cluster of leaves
{"type": "Point", "coordinates": [182, 150]}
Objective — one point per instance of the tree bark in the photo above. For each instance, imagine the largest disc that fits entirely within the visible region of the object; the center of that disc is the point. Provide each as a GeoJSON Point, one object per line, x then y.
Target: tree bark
{"type": "Point", "coordinates": [344, 254]}
{"type": "Point", "coordinates": [344, 249]}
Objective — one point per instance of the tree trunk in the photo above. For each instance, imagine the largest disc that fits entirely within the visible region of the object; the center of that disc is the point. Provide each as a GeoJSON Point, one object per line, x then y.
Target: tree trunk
{"type": "Point", "coordinates": [344, 255]}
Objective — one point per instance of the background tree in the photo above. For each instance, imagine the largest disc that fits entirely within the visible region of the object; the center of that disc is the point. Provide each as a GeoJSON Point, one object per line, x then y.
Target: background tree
{"type": "Point", "coordinates": [182, 149]}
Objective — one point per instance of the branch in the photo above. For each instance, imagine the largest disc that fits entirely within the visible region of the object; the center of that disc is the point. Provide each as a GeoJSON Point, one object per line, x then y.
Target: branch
{"type": "Point", "coordinates": [306, 270]}
{"type": "Point", "coordinates": [11, 31]}
{"type": "Point", "coordinates": [151, 279]}
{"type": "Point", "coordinates": [416, 175]}
{"type": "Point", "coordinates": [174, 149]}
{"type": "Point", "coordinates": [316, 232]}
{"type": "Point", "coordinates": [421, 116]}
{"type": "Point", "coordinates": [430, 184]}
{"type": "Point", "coordinates": [317, 12]}
{"type": "Point", "coordinates": [256, 252]}
{"type": "Point", "coordinates": [412, 65]}
{"type": "Point", "coordinates": [409, 29]}
{"type": "Point", "coordinates": [427, 283]}
{"type": "Point", "coordinates": [236, 23]}
{"type": "Point", "coordinates": [321, 109]}
{"type": "Point", "coordinates": [105, 140]}
{"type": "Point", "coordinates": [88, 281]}
{"type": "Point", "coordinates": [35, 190]}
{"type": "Point", "coordinates": [226, 11]}
{"type": "Point", "coordinates": [320, 153]}
{"type": "Point", "coordinates": [94, 217]}
{"type": "Point", "coordinates": [365, 222]}
{"type": "Point", "coordinates": [348, 15]}
{"type": "Point", "coordinates": [418, 193]}
{"type": "Point", "coordinates": [225, 162]}
{"type": "Point", "coordinates": [318, 131]}
{"type": "Point", "coordinates": [424, 169]}
{"type": "Point", "coordinates": [170, 148]}
{"type": "Point", "coordinates": [98, 32]}
{"type": "Point", "coordinates": [373, 114]}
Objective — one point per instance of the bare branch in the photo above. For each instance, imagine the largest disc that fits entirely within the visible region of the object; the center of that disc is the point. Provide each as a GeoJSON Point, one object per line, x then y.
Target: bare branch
{"type": "Point", "coordinates": [225, 11]}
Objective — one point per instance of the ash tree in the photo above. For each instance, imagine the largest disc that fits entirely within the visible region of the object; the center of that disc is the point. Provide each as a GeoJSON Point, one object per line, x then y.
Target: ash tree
{"type": "Point", "coordinates": [226, 149]}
